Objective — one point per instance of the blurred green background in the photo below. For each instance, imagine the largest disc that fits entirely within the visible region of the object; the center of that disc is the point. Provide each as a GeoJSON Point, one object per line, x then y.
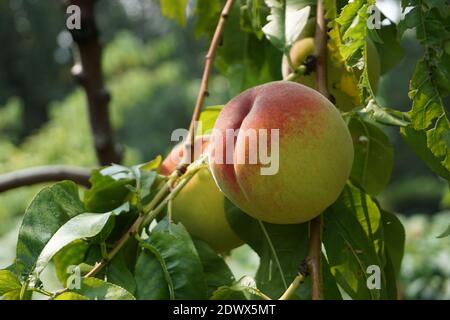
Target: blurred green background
{"type": "Point", "coordinates": [153, 69]}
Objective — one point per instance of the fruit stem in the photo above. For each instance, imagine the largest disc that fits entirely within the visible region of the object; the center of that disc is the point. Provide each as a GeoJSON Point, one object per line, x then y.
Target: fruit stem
{"type": "Point", "coordinates": [154, 213]}
{"type": "Point", "coordinates": [301, 70]}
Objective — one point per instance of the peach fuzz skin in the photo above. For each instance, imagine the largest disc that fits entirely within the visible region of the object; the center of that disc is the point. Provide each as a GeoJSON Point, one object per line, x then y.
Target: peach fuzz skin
{"type": "Point", "coordinates": [315, 153]}
{"type": "Point", "coordinates": [200, 204]}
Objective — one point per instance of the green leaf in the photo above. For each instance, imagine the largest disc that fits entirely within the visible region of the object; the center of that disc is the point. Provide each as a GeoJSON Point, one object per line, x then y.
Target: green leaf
{"type": "Point", "coordinates": [50, 209]}
{"type": "Point", "coordinates": [246, 285]}
{"type": "Point", "coordinates": [353, 240]}
{"type": "Point", "coordinates": [253, 16]}
{"type": "Point", "coordinates": [383, 115]}
{"type": "Point", "coordinates": [144, 181]}
{"type": "Point", "coordinates": [71, 255]}
{"type": "Point", "coordinates": [11, 295]}
{"type": "Point", "coordinates": [109, 188]}
{"type": "Point", "coordinates": [171, 246]}
{"type": "Point", "coordinates": [10, 286]}
{"type": "Point", "coordinates": [208, 119]}
{"type": "Point", "coordinates": [430, 82]}
{"type": "Point", "coordinates": [390, 51]}
{"type": "Point", "coordinates": [374, 156]}
{"type": "Point", "coordinates": [71, 296]}
{"type": "Point", "coordinates": [174, 9]}
{"type": "Point", "coordinates": [391, 279]}
{"type": "Point", "coordinates": [286, 21]}
{"type": "Point", "coordinates": [245, 60]}
{"type": "Point", "coordinates": [330, 289]}
{"type": "Point", "coordinates": [352, 20]}
{"type": "Point", "coordinates": [150, 278]}
{"type": "Point", "coordinates": [217, 272]}
{"type": "Point", "coordinates": [428, 106]}
{"type": "Point", "coordinates": [117, 172]}
{"type": "Point", "coordinates": [444, 234]}
{"type": "Point", "coordinates": [96, 289]}
{"type": "Point", "coordinates": [282, 248]}
{"type": "Point", "coordinates": [207, 14]}
{"type": "Point", "coordinates": [85, 225]}
{"type": "Point", "coordinates": [394, 239]}
{"type": "Point", "coordinates": [117, 272]}
{"type": "Point", "coordinates": [417, 140]}
{"type": "Point", "coordinates": [151, 165]}
{"type": "Point", "coordinates": [355, 42]}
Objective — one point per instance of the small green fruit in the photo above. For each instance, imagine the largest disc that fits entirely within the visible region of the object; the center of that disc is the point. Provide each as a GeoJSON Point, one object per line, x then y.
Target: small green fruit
{"type": "Point", "coordinates": [342, 85]}
{"type": "Point", "coordinates": [200, 205]}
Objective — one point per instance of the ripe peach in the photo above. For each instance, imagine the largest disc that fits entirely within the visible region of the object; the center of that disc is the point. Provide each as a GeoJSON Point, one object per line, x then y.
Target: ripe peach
{"type": "Point", "coordinates": [315, 152]}
{"type": "Point", "coordinates": [200, 204]}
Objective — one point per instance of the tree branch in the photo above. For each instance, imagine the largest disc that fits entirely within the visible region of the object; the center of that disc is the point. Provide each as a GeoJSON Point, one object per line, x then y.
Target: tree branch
{"type": "Point", "coordinates": [321, 38]}
{"type": "Point", "coordinates": [314, 256]}
{"type": "Point", "coordinates": [31, 176]}
{"type": "Point", "coordinates": [315, 240]}
{"type": "Point", "coordinates": [87, 70]}
{"type": "Point", "coordinates": [203, 92]}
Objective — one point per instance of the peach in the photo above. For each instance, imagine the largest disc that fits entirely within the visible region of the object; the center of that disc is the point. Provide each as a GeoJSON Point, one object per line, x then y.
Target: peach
{"type": "Point", "coordinates": [315, 152]}
{"type": "Point", "coordinates": [200, 204]}
{"type": "Point", "coordinates": [342, 85]}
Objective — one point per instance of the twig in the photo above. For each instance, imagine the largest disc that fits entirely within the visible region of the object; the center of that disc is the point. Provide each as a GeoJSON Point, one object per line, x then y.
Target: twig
{"type": "Point", "coordinates": [303, 272]}
{"type": "Point", "coordinates": [299, 279]}
{"type": "Point", "coordinates": [31, 176]}
{"type": "Point", "coordinates": [135, 227]}
{"type": "Point", "coordinates": [314, 256]}
{"type": "Point", "coordinates": [87, 70]}
{"type": "Point", "coordinates": [151, 211]}
{"type": "Point", "coordinates": [131, 232]}
{"type": "Point", "coordinates": [203, 92]}
{"type": "Point", "coordinates": [321, 38]}
{"type": "Point", "coordinates": [315, 240]}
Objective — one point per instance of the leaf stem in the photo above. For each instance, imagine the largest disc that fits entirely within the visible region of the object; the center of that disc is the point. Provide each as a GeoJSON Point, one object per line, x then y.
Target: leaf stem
{"type": "Point", "coordinates": [23, 290]}
{"type": "Point", "coordinates": [170, 211]}
{"type": "Point", "coordinates": [41, 291]}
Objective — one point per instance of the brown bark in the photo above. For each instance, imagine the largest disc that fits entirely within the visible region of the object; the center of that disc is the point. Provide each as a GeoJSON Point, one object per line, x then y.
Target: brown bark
{"type": "Point", "coordinates": [31, 176]}
{"type": "Point", "coordinates": [87, 70]}
{"type": "Point", "coordinates": [315, 240]}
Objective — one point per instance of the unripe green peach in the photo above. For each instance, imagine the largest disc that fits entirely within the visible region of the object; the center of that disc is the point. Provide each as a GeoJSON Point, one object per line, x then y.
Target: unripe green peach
{"type": "Point", "coordinates": [315, 152]}
{"type": "Point", "coordinates": [342, 85]}
{"type": "Point", "coordinates": [200, 205]}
